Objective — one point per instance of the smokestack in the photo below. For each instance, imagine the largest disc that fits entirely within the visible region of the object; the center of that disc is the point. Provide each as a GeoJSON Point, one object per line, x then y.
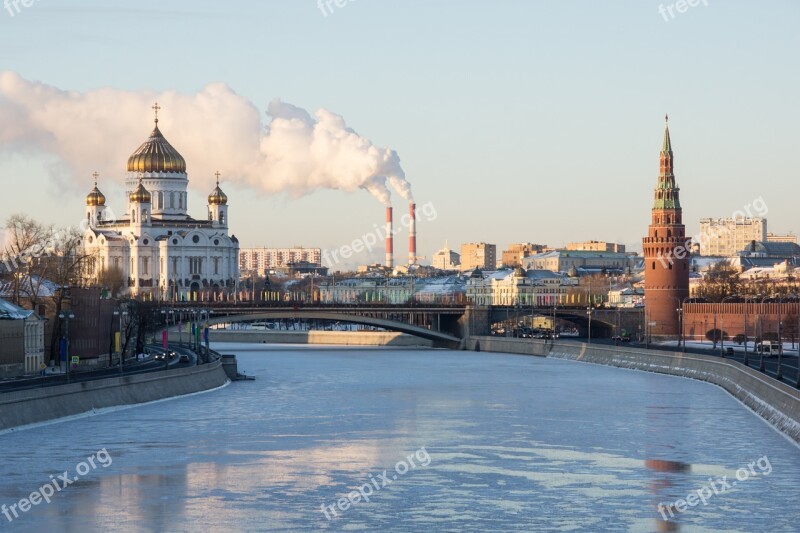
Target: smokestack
{"type": "Point", "coordinates": [412, 236]}
{"type": "Point", "coordinates": [389, 239]}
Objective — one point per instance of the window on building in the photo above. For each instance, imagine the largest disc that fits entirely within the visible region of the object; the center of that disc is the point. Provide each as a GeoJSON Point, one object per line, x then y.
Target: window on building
{"type": "Point", "coordinates": [145, 266]}
{"type": "Point", "coordinates": [172, 200]}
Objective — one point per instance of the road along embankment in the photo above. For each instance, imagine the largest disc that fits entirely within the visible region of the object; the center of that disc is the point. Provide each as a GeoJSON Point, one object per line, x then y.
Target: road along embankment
{"type": "Point", "coordinates": [775, 402]}
{"type": "Point", "coordinates": [32, 406]}
{"type": "Point", "coordinates": [344, 338]}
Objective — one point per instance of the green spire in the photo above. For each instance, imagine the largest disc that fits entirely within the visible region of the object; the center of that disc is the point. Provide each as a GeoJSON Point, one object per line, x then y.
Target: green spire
{"type": "Point", "coordinates": [667, 145]}
{"type": "Point", "coordinates": [667, 193]}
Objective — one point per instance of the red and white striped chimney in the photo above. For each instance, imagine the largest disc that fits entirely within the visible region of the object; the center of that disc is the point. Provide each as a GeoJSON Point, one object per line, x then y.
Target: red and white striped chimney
{"type": "Point", "coordinates": [389, 239]}
{"type": "Point", "coordinates": [412, 236]}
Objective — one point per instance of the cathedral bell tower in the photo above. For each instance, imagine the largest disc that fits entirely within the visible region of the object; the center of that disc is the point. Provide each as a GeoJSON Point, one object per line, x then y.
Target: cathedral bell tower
{"type": "Point", "coordinates": [218, 206]}
{"type": "Point", "coordinates": [666, 251]}
{"type": "Point", "coordinates": [95, 205]}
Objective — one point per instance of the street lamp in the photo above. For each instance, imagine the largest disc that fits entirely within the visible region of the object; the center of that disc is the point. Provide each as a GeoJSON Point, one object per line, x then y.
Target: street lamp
{"type": "Point", "coordinates": [746, 299]}
{"type": "Point", "coordinates": [779, 375]}
{"type": "Point", "coordinates": [66, 316]}
{"type": "Point", "coordinates": [760, 345]}
{"type": "Point", "coordinates": [121, 314]}
{"type": "Point", "coordinates": [589, 312]}
{"type": "Point", "coordinates": [722, 326]}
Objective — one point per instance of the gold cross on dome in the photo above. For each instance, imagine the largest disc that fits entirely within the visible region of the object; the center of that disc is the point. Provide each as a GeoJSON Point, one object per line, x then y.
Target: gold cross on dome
{"type": "Point", "coordinates": [217, 174]}
{"type": "Point", "coordinates": [156, 108]}
{"type": "Point", "coordinates": [95, 175]}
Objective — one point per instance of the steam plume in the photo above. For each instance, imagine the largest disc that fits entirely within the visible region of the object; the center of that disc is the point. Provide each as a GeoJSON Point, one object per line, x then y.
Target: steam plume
{"type": "Point", "coordinates": [293, 152]}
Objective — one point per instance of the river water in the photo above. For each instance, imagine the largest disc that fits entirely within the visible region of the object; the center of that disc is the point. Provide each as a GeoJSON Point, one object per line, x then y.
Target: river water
{"type": "Point", "coordinates": [435, 440]}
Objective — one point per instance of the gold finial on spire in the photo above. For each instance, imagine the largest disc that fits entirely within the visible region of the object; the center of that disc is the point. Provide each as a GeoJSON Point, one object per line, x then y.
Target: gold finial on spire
{"type": "Point", "coordinates": [156, 108]}
{"type": "Point", "coordinates": [217, 174]}
{"type": "Point", "coordinates": [666, 118]}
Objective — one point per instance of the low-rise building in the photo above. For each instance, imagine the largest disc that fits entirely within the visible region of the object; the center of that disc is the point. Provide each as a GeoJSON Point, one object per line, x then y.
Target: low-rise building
{"type": "Point", "coordinates": [21, 340]}
{"type": "Point", "coordinates": [567, 261]}
{"type": "Point", "coordinates": [595, 246]}
{"type": "Point", "coordinates": [512, 258]}
{"type": "Point", "coordinates": [535, 288]}
{"type": "Point", "coordinates": [626, 297]}
{"type": "Point", "coordinates": [790, 237]}
{"type": "Point", "coordinates": [446, 259]}
{"type": "Point", "coordinates": [393, 290]}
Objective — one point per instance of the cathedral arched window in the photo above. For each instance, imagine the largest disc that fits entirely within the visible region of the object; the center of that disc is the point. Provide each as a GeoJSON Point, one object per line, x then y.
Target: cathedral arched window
{"type": "Point", "coordinates": [133, 215]}
{"type": "Point", "coordinates": [171, 200]}
{"type": "Point", "coordinates": [144, 216]}
{"type": "Point", "coordinates": [222, 217]}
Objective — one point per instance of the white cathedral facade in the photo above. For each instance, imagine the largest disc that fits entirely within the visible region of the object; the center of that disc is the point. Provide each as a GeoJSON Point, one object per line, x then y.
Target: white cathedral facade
{"type": "Point", "coordinates": [162, 252]}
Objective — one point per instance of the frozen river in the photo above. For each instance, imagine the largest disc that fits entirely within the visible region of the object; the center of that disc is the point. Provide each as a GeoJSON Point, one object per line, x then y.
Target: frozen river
{"type": "Point", "coordinates": [435, 440]}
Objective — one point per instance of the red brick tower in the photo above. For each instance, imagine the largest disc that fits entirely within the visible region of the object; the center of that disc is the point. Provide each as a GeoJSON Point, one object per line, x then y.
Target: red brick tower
{"type": "Point", "coordinates": [666, 252]}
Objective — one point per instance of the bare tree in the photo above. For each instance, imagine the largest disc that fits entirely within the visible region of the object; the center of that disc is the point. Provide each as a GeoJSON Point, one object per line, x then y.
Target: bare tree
{"type": "Point", "coordinates": [28, 242]}
{"type": "Point", "coordinates": [721, 280]}
{"type": "Point", "coordinates": [114, 279]}
{"type": "Point", "coordinates": [64, 269]}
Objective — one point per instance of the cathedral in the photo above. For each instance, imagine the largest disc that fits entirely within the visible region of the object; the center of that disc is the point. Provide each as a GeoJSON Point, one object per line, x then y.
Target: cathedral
{"type": "Point", "coordinates": [162, 252]}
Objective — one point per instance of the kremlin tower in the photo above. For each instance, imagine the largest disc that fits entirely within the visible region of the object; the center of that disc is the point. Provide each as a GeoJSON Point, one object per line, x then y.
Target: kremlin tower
{"type": "Point", "coordinates": [666, 252]}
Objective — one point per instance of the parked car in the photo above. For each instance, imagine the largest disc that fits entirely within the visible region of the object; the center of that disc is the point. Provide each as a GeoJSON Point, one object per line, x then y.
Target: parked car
{"type": "Point", "coordinates": [183, 358]}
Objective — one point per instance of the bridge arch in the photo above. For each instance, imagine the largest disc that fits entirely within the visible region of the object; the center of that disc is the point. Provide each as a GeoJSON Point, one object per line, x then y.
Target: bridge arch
{"type": "Point", "coordinates": [439, 339]}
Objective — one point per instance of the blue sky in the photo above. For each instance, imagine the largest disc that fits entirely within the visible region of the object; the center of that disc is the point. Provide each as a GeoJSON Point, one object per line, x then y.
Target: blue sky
{"type": "Point", "coordinates": [518, 120]}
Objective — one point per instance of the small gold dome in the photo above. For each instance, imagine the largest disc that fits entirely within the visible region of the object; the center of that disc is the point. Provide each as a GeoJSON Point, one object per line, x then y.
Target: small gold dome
{"type": "Point", "coordinates": [141, 195]}
{"type": "Point", "coordinates": [95, 197]}
{"type": "Point", "coordinates": [217, 197]}
{"type": "Point", "coordinates": [156, 154]}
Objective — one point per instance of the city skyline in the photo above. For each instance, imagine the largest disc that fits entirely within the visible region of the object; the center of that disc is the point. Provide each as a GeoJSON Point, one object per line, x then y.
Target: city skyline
{"type": "Point", "coordinates": [541, 130]}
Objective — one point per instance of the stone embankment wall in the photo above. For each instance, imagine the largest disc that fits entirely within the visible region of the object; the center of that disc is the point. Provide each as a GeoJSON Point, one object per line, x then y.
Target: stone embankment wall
{"type": "Point", "coordinates": [32, 406]}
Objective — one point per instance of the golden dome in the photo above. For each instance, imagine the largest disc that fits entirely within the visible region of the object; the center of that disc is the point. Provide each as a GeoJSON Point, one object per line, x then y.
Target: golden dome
{"type": "Point", "coordinates": [141, 195]}
{"type": "Point", "coordinates": [95, 197]}
{"type": "Point", "coordinates": [156, 154]}
{"type": "Point", "coordinates": [217, 197]}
